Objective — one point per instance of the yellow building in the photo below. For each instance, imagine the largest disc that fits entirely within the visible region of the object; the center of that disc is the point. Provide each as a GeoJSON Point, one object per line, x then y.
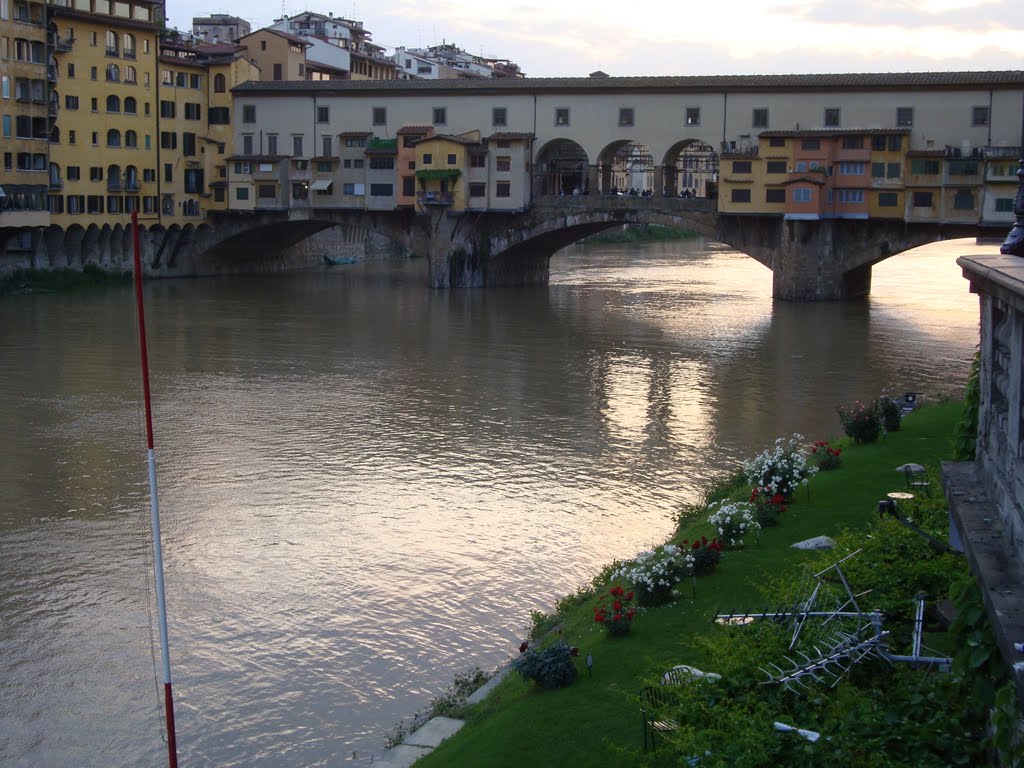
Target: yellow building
{"type": "Point", "coordinates": [104, 148]}
{"type": "Point", "coordinates": [26, 108]}
{"type": "Point", "coordinates": [194, 122]}
{"type": "Point", "coordinates": [279, 55]}
{"type": "Point", "coordinates": [441, 165]}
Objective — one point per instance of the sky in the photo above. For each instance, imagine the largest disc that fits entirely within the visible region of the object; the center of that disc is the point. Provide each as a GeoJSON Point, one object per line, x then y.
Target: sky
{"type": "Point", "coordinates": [570, 38]}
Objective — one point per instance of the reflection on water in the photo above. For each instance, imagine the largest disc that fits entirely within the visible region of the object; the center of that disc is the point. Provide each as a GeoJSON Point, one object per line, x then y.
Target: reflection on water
{"type": "Point", "coordinates": [367, 486]}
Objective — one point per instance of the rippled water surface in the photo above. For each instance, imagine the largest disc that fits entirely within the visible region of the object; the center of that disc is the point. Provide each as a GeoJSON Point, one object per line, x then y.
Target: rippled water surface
{"type": "Point", "coordinates": [366, 486]}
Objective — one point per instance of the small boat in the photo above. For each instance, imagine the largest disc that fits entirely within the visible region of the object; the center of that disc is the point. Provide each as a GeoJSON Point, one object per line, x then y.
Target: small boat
{"type": "Point", "coordinates": [329, 261]}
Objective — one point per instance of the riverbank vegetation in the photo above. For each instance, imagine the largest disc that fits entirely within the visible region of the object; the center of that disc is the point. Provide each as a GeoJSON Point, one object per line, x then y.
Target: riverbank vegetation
{"type": "Point", "coordinates": [641, 233]}
{"type": "Point", "coordinates": [878, 712]}
{"type": "Point", "coordinates": [24, 281]}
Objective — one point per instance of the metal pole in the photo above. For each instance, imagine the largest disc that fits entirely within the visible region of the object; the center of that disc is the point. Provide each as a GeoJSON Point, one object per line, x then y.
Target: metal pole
{"type": "Point", "coordinates": [158, 560]}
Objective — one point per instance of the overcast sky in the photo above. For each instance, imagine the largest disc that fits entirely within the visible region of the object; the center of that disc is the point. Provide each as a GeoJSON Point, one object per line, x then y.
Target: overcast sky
{"type": "Point", "coordinates": [550, 38]}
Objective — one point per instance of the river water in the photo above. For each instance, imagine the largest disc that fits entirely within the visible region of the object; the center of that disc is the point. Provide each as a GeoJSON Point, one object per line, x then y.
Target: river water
{"type": "Point", "coordinates": [366, 486]}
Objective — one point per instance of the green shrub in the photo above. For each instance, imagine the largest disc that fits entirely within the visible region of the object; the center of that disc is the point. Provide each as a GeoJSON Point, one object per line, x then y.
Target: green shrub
{"type": "Point", "coordinates": [890, 414]}
{"type": "Point", "coordinates": [861, 423]}
{"type": "Point", "coordinates": [550, 667]}
{"type": "Point", "coordinates": [965, 434]}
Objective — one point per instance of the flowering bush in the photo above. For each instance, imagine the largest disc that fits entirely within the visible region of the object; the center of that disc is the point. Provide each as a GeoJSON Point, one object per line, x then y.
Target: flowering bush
{"type": "Point", "coordinates": [826, 455]}
{"type": "Point", "coordinates": [551, 667]}
{"type": "Point", "coordinates": [768, 505]}
{"type": "Point", "coordinates": [705, 554]}
{"type": "Point", "coordinates": [861, 423]}
{"type": "Point", "coordinates": [733, 521]}
{"type": "Point", "coordinates": [889, 412]}
{"type": "Point", "coordinates": [654, 572]}
{"type": "Point", "coordinates": [619, 618]}
{"type": "Point", "coordinates": [780, 470]}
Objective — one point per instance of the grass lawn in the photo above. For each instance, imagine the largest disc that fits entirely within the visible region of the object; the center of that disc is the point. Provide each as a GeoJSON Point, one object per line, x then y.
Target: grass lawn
{"type": "Point", "coordinates": [596, 721]}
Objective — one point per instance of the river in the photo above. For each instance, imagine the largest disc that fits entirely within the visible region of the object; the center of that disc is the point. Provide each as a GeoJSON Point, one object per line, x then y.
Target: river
{"type": "Point", "coordinates": [366, 486]}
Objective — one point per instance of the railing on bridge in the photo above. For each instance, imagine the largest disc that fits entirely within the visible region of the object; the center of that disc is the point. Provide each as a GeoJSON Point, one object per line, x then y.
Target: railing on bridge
{"type": "Point", "coordinates": [626, 203]}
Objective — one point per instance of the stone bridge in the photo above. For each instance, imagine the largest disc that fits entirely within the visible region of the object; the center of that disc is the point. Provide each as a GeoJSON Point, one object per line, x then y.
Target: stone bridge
{"type": "Point", "coordinates": [810, 260]}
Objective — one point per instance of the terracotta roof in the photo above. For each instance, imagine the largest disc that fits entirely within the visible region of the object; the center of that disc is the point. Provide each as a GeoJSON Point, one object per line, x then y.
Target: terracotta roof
{"type": "Point", "coordinates": [1006, 79]}
{"type": "Point", "coordinates": [447, 137]}
{"type": "Point", "coordinates": [286, 35]}
{"type": "Point", "coordinates": [511, 136]}
{"type": "Point", "coordinates": [354, 134]}
{"type": "Point", "coordinates": [827, 132]}
{"type": "Point", "coordinates": [416, 129]}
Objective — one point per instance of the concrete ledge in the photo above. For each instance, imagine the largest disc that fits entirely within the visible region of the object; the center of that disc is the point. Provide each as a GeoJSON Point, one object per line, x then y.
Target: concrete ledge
{"type": "Point", "coordinates": [433, 732]}
{"type": "Point", "coordinates": [992, 561]}
{"type": "Point", "coordinates": [402, 756]}
{"type": "Point", "coordinates": [482, 692]}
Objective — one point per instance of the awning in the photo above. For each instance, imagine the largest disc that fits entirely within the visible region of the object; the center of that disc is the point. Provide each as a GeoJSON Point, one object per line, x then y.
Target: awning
{"type": "Point", "coordinates": [321, 185]}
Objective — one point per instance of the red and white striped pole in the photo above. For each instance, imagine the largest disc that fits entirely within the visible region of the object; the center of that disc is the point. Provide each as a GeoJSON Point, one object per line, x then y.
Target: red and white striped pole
{"type": "Point", "coordinates": [158, 560]}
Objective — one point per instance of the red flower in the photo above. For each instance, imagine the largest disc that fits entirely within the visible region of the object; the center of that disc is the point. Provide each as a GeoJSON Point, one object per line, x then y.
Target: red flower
{"type": "Point", "coordinates": [778, 498]}
{"type": "Point", "coordinates": [617, 617]}
{"type": "Point", "coordinates": [631, 613]}
{"type": "Point", "coordinates": [629, 596]}
{"type": "Point", "coordinates": [696, 544]}
{"type": "Point", "coordinates": [616, 591]}
{"type": "Point", "coordinates": [599, 616]}
{"type": "Point", "coordinates": [617, 605]}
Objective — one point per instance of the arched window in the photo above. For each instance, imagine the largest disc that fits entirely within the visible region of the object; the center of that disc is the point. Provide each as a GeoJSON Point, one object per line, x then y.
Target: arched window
{"type": "Point", "coordinates": [131, 139]}
{"type": "Point", "coordinates": [113, 138]}
{"type": "Point", "coordinates": [113, 177]}
{"type": "Point", "coordinates": [131, 177]}
{"type": "Point", "coordinates": [113, 104]}
{"type": "Point", "coordinates": [55, 180]}
{"type": "Point", "coordinates": [129, 46]}
{"type": "Point", "coordinates": [113, 73]}
{"type": "Point", "coordinates": [130, 105]}
{"type": "Point", "coordinates": [219, 83]}
{"type": "Point", "coordinates": [39, 162]}
{"type": "Point", "coordinates": [112, 49]}
{"type": "Point", "coordinates": [129, 74]}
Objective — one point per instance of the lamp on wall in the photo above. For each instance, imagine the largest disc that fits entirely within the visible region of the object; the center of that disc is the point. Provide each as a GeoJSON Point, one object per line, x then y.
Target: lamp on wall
{"type": "Point", "coordinates": [1014, 243]}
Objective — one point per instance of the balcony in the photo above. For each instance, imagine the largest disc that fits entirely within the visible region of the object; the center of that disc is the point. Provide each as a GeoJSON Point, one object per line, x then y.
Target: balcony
{"type": "Point", "coordinates": [435, 198]}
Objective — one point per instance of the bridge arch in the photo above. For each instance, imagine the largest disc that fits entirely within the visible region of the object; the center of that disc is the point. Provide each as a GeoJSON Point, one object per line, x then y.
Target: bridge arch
{"type": "Point", "coordinates": [690, 165]}
{"type": "Point", "coordinates": [625, 164]}
{"type": "Point", "coordinates": [562, 166]}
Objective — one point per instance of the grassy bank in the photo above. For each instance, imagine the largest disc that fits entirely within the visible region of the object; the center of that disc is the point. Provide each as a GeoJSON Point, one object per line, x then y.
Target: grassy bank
{"type": "Point", "coordinates": [59, 280]}
{"type": "Point", "coordinates": [641, 234]}
{"type": "Point", "coordinates": [880, 714]}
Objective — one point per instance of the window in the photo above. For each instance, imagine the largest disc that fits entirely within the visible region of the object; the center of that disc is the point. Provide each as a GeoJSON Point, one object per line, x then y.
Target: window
{"type": "Point", "coordinates": [7, 126]}
{"type": "Point", "coordinates": [74, 173]}
{"type": "Point", "coordinates": [247, 144]}
{"type": "Point", "coordinates": [71, 137]}
{"type": "Point", "coordinates": [381, 190]}
{"type": "Point", "coordinates": [166, 77]}
{"type": "Point", "coordinates": [131, 139]}
{"type": "Point", "coordinates": [71, 70]}
{"type": "Point", "coordinates": [409, 186]}
{"type": "Point", "coordinates": [562, 116]}
{"type": "Point", "coordinates": [195, 82]}
{"type": "Point", "coordinates": [113, 104]}
{"type": "Point", "coordinates": [801, 195]}
{"type": "Point", "coordinates": [851, 169]}
{"type": "Point", "coordinates": [219, 83]}
{"type": "Point", "coordinates": [453, 160]}
{"type": "Point", "coordinates": [963, 200]}
{"type": "Point", "coordinates": [440, 115]}
{"type": "Point", "coordinates": [499, 117]}
{"type": "Point", "coordinates": [775, 166]}
{"type": "Point", "coordinates": [759, 118]}
{"type": "Point", "coordinates": [831, 119]}
{"type": "Point", "coordinates": [477, 189]}
{"type": "Point", "coordinates": [278, 75]}
{"type": "Point", "coordinates": [810, 144]}
{"type": "Point", "coordinates": [95, 138]}
{"type": "Point", "coordinates": [878, 170]}
{"type": "Point", "coordinates": [241, 193]}
{"type": "Point", "coordinates": [323, 115]}
{"type": "Point", "coordinates": [168, 140]}
{"type": "Point", "coordinates": [193, 111]}
{"type": "Point", "coordinates": [271, 143]}
{"type": "Point", "coordinates": [168, 172]}
{"type": "Point", "coordinates": [129, 46]}
{"type": "Point", "coordinates": [894, 143]}
{"type": "Point", "coordinates": [130, 74]}
{"type": "Point", "coordinates": [130, 105]}
{"type": "Point", "coordinates": [1003, 204]}
{"type": "Point", "coordinates": [853, 142]}
{"type": "Point", "coordinates": [355, 141]}
{"type": "Point", "coordinates": [218, 116]}
{"type": "Point", "coordinates": [380, 115]}
{"type": "Point", "coordinates": [93, 73]}
{"type": "Point", "coordinates": [887, 199]}
{"type": "Point", "coordinates": [626, 116]}
{"type": "Point", "coordinates": [741, 196]}
{"type": "Point", "coordinates": [326, 141]}
{"type": "Point", "coordinates": [353, 189]}
{"type": "Point", "coordinates": [924, 167]}
{"type": "Point", "coordinates": [113, 73]}
{"type": "Point", "coordinates": [113, 204]}
{"type": "Point", "coordinates": [94, 204]}
{"type": "Point", "coordinates": [503, 189]}
{"type": "Point", "coordinates": [131, 178]}
{"type": "Point", "coordinates": [904, 117]}
{"type": "Point", "coordinates": [775, 195]}
{"type": "Point", "coordinates": [922, 200]}
{"type": "Point", "coordinates": [112, 43]}
{"type": "Point", "coordinates": [70, 102]}
{"type": "Point", "coordinates": [478, 160]}
{"type": "Point", "coordinates": [113, 138]}
{"type": "Point", "coordinates": [851, 195]}
{"type": "Point", "coordinates": [188, 144]}
{"type": "Point", "coordinates": [180, 79]}
{"type": "Point", "coordinates": [167, 109]}
{"type": "Point", "coordinates": [428, 159]}
{"type": "Point", "coordinates": [94, 104]}
{"type": "Point", "coordinates": [358, 162]}
{"type": "Point", "coordinates": [248, 113]}
{"type": "Point", "coordinates": [149, 174]}
{"type": "Point", "coordinates": [979, 116]}
{"type": "Point", "coordinates": [266, 191]}
{"type": "Point", "coordinates": [741, 166]}
{"type": "Point", "coordinates": [962, 167]}
{"type": "Point", "coordinates": [382, 163]}
{"type": "Point", "coordinates": [194, 180]}
{"type": "Point", "coordinates": [893, 170]}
